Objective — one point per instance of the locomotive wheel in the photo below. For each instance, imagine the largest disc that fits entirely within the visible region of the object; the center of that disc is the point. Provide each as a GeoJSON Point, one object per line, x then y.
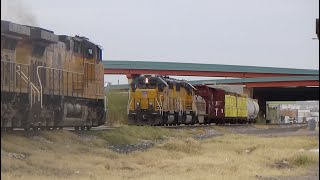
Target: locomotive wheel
{"type": "Point", "coordinates": [76, 128]}
{"type": "Point", "coordinates": [88, 127]}
{"type": "Point", "coordinates": [82, 128]}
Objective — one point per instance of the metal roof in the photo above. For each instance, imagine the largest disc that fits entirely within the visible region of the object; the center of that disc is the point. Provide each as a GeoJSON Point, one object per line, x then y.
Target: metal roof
{"type": "Point", "coordinates": [240, 80]}
{"type": "Point", "coordinates": [147, 65]}
{"type": "Point", "coordinates": [264, 79]}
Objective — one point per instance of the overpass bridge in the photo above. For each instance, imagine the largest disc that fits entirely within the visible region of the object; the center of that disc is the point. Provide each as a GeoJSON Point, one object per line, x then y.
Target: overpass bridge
{"type": "Point", "coordinates": [131, 68]}
{"type": "Point", "coordinates": [250, 76]}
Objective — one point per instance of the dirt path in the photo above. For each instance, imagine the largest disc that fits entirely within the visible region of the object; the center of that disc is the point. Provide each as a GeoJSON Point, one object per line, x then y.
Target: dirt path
{"type": "Point", "coordinates": [313, 175]}
{"type": "Point", "coordinates": [294, 130]}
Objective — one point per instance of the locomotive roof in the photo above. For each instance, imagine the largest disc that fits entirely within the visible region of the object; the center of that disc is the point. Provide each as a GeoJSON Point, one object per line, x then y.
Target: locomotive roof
{"type": "Point", "coordinates": [40, 28]}
{"type": "Point", "coordinates": [77, 37]}
{"type": "Point", "coordinates": [238, 89]}
{"type": "Point", "coordinates": [182, 82]}
{"type": "Point", "coordinates": [153, 76]}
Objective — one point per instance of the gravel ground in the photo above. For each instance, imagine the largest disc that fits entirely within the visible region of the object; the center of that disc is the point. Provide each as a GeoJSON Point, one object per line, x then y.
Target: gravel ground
{"type": "Point", "coordinates": [281, 130]}
{"type": "Point", "coordinates": [129, 148]}
{"type": "Point", "coordinates": [209, 133]}
{"type": "Point", "coordinates": [313, 175]}
{"type": "Point", "coordinates": [13, 155]}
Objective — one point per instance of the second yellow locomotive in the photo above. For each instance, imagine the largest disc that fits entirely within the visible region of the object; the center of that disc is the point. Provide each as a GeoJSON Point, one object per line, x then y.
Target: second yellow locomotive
{"type": "Point", "coordinates": [157, 100]}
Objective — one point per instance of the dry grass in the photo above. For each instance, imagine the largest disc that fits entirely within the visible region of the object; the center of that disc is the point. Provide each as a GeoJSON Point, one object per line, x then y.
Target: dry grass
{"type": "Point", "coordinates": [117, 108]}
{"type": "Point", "coordinates": [132, 134]}
{"type": "Point", "coordinates": [67, 156]}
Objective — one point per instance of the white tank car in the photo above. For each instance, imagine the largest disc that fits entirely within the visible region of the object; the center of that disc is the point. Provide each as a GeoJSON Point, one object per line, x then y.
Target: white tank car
{"type": "Point", "coordinates": [253, 108]}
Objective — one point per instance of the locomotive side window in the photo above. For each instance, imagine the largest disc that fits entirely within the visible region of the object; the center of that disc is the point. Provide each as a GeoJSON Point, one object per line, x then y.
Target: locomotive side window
{"type": "Point", "coordinates": [178, 87]}
{"type": "Point", "coordinates": [89, 53]}
{"type": "Point", "coordinates": [160, 87]}
{"type": "Point", "coordinates": [170, 85]}
{"type": "Point", "coordinates": [99, 54]}
{"type": "Point", "coordinates": [38, 50]}
{"type": "Point", "coordinates": [189, 90]}
{"type": "Point", "coordinates": [133, 87]}
{"type": "Point", "coordinates": [152, 84]}
{"type": "Point", "coordinates": [77, 47]}
{"type": "Point", "coordinates": [10, 44]}
{"type": "Point", "coordinates": [67, 42]}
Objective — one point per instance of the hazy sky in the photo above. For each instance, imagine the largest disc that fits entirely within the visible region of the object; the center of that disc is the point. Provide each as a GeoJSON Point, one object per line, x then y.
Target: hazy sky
{"type": "Point", "coordinates": [275, 33]}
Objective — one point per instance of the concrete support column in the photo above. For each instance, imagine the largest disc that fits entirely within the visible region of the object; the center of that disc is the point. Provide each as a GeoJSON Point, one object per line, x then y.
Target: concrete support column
{"type": "Point", "coordinates": [248, 91]}
{"type": "Point", "coordinates": [262, 107]}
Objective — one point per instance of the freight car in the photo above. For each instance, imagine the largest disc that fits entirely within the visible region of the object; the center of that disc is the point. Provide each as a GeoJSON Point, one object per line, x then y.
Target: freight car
{"type": "Point", "coordinates": [157, 100]}
{"type": "Point", "coordinates": [220, 106]}
{"type": "Point", "coordinates": [48, 80]}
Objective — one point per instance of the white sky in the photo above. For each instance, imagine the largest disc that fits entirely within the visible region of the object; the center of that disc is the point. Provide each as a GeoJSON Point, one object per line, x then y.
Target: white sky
{"type": "Point", "coordinates": [274, 33]}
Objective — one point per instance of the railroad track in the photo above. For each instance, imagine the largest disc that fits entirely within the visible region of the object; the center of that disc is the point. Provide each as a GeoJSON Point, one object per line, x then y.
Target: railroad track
{"type": "Point", "coordinates": [229, 125]}
{"type": "Point", "coordinates": [108, 128]}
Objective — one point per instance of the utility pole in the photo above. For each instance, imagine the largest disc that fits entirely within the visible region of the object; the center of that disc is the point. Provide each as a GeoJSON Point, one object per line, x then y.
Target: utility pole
{"type": "Point", "coordinates": [317, 28]}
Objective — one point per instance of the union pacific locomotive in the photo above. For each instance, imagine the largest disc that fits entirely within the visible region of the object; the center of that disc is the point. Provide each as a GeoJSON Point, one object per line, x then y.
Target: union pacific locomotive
{"type": "Point", "coordinates": [48, 80]}
{"type": "Point", "coordinates": [158, 100]}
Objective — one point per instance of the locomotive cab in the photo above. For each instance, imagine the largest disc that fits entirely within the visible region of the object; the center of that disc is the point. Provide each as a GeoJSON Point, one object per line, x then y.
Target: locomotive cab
{"type": "Point", "coordinates": [146, 100]}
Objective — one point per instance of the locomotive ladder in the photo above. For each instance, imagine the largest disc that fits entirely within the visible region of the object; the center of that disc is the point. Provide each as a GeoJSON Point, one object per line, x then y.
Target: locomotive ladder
{"type": "Point", "coordinates": [17, 69]}
{"type": "Point", "coordinates": [33, 89]}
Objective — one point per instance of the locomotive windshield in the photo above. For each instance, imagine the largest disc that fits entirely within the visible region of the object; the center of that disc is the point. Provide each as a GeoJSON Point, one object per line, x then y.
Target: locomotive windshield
{"type": "Point", "coordinates": [147, 83]}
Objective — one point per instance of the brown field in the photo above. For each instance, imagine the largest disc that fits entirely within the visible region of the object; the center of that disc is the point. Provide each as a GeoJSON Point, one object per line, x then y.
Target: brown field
{"type": "Point", "coordinates": [70, 155]}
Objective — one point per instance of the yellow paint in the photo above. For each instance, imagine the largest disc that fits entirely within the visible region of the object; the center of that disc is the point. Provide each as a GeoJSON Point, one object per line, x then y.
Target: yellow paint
{"type": "Point", "coordinates": [89, 85]}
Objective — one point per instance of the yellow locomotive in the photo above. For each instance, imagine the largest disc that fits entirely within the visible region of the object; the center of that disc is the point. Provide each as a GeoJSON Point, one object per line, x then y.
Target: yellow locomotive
{"type": "Point", "coordinates": [49, 80]}
{"type": "Point", "coordinates": [157, 100]}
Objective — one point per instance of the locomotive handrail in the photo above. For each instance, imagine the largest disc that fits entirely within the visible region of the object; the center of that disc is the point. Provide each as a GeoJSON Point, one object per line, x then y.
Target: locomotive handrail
{"type": "Point", "coordinates": [33, 87]}
{"type": "Point", "coordinates": [160, 98]}
{"type": "Point", "coordinates": [106, 102]}
{"type": "Point", "coordinates": [32, 98]}
{"type": "Point", "coordinates": [15, 63]}
{"type": "Point", "coordinates": [44, 67]}
{"type": "Point", "coordinates": [159, 106]}
{"type": "Point", "coordinates": [98, 93]}
{"type": "Point", "coordinates": [26, 79]}
{"type": "Point", "coordinates": [129, 104]}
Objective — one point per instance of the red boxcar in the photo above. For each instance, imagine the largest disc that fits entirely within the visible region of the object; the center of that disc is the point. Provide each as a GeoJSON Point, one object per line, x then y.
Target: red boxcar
{"type": "Point", "coordinates": [215, 102]}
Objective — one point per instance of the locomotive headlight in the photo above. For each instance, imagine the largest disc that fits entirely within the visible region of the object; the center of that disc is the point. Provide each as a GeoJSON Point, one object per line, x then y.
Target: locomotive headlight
{"type": "Point", "coordinates": [138, 105]}
{"type": "Point", "coordinates": [150, 105]}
